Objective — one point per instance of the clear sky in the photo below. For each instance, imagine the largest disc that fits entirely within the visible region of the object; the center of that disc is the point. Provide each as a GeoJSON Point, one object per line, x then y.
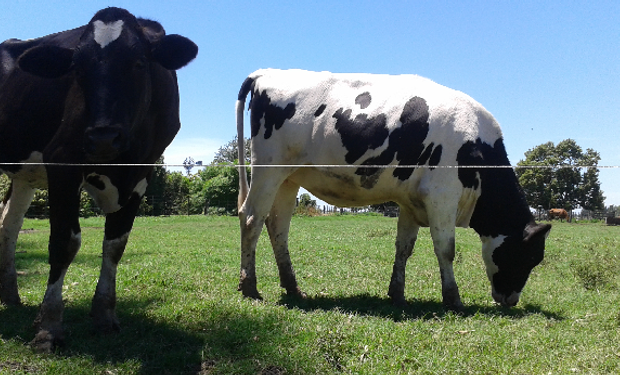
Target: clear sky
{"type": "Point", "coordinates": [547, 70]}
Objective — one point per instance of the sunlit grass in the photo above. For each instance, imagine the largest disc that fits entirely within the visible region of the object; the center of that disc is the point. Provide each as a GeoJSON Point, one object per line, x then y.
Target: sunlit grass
{"type": "Point", "coordinates": [181, 314]}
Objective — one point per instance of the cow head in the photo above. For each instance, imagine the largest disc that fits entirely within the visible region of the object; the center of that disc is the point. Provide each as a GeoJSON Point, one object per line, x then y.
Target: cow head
{"type": "Point", "coordinates": [113, 65]}
{"type": "Point", "coordinates": [509, 261]}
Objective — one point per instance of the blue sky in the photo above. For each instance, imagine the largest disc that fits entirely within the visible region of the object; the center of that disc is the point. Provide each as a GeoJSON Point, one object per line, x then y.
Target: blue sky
{"type": "Point", "coordinates": [547, 71]}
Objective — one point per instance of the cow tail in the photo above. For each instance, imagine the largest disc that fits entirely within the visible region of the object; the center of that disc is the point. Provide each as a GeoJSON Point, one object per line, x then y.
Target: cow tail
{"type": "Point", "coordinates": [244, 187]}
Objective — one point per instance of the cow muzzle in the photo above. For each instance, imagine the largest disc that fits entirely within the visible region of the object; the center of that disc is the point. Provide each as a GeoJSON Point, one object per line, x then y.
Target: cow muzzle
{"type": "Point", "coordinates": [506, 300]}
{"type": "Point", "coordinates": [104, 143]}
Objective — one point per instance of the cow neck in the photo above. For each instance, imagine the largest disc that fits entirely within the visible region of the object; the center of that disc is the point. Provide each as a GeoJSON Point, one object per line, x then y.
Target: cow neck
{"type": "Point", "coordinates": [501, 208]}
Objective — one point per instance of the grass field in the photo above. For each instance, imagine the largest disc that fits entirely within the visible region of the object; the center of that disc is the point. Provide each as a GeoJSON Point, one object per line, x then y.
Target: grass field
{"type": "Point", "coordinates": [181, 314]}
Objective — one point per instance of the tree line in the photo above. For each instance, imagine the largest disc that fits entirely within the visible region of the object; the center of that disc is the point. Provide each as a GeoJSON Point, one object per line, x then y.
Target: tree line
{"type": "Point", "coordinates": [552, 175]}
{"type": "Point", "coordinates": [561, 176]}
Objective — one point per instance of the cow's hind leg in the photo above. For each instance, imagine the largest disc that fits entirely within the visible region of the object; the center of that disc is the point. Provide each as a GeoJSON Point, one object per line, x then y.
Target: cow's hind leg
{"type": "Point", "coordinates": [405, 241]}
{"type": "Point", "coordinates": [278, 224]}
{"type": "Point", "coordinates": [117, 228]}
{"type": "Point", "coordinates": [13, 209]}
{"type": "Point", "coordinates": [252, 214]}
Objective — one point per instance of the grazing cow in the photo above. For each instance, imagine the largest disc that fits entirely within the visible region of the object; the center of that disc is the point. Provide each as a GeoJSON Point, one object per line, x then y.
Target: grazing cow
{"type": "Point", "coordinates": [558, 213]}
{"type": "Point", "coordinates": [99, 95]}
{"type": "Point", "coordinates": [359, 139]}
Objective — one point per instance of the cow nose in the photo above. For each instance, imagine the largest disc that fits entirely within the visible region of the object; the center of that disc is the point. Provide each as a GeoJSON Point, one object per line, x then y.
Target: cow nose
{"type": "Point", "coordinates": [506, 301]}
{"type": "Point", "coordinates": [104, 143]}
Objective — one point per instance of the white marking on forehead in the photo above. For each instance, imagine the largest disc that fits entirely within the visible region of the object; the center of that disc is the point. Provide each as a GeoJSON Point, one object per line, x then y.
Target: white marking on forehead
{"type": "Point", "coordinates": [106, 33]}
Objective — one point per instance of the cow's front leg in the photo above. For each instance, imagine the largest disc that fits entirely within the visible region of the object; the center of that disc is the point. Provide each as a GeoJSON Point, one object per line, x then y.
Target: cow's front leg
{"type": "Point", "coordinates": [15, 206]}
{"type": "Point", "coordinates": [278, 224]}
{"type": "Point", "coordinates": [405, 241]}
{"type": "Point", "coordinates": [65, 241]}
{"type": "Point", "coordinates": [444, 244]}
{"type": "Point", "coordinates": [117, 228]}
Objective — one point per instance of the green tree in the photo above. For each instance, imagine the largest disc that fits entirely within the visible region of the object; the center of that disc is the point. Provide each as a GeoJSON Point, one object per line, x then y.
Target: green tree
{"type": "Point", "coordinates": [153, 203]}
{"type": "Point", "coordinates": [176, 194]}
{"type": "Point", "coordinates": [557, 179]}
{"type": "Point", "coordinates": [215, 190]}
{"type": "Point", "coordinates": [305, 200]}
{"type": "Point", "coordinates": [228, 153]}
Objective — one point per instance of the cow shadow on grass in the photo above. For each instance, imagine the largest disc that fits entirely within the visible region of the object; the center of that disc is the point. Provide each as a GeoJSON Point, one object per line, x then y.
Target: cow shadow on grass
{"type": "Point", "coordinates": [219, 336]}
{"type": "Point", "coordinates": [382, 307]}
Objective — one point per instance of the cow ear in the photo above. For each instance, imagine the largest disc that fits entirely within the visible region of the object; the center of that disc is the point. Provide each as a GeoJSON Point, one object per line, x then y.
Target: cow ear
{"type": "Point", "coordinates": [174, 51]}
{"type": "Point", "coordinates": [538, 232]}
{"type": "Point", "coordinates": [46, 61]}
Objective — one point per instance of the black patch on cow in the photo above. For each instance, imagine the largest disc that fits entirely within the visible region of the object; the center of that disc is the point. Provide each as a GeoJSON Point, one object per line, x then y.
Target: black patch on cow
{"type": "Point", "coordinates": [320, 110]}
{"type": "Point", "coordinates": [501, 208]}
{"type": "Point", "coordinates": [406, 144]}
{"type": "Point", "coordinates": [435, 156]}
{"type": "Point", "coordinates": [96, 182]}
{"type": "Point", "coordinates": [517, 256]}
{"type": "Point", "coordinates": [274, 116]}
{"type": "Point", "coordinates": [363, 100]}
{"type": "Point", "coordinates": [246, 86]}
{"type": "Point", "coordinates": [509, 256]}
{"type": "Point", "coordinates": [361, 133]}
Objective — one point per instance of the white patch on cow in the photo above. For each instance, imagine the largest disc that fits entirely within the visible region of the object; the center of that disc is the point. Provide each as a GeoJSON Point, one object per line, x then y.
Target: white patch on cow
{"type": "Point", "coordinates": [107, 278]}
{"type": "Point", "coordinates": [106, 33]}
{"type": "Point", "coordinates": [106, 198]}
{"type": "Point", "coordinates": [33, 173]}
{"type": "Point", "coordinates": [140, 188]}
{"type": "Point", "coordinates": [12, 218]}
{"type": "Point", "coordinates": [53, 294]}
{"type": "Point", "coordinates": [489, 244]}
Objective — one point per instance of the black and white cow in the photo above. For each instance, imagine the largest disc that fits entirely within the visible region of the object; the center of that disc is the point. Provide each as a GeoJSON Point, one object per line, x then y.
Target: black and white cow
{"type": "Point", "coordinates": [364, 123]}
{"type": "Point", "coordinates": [96, 96]}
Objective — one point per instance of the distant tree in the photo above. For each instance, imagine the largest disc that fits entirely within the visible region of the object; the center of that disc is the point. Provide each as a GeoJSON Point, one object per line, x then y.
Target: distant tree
{"type": "Point", "coordinates": [175, 194]}
{"type": "Point", "coordinates": [153, 203]}
{"type": "Point", "coordinates": [560, 182]}
{"type": "Point", "coordinates": [188, 164]}
{"type": "Point", "coordinates": [215, 189]}
{"type": "Point", "coordinates": [228, 153]}
{"type": "Point", "coordinates": [305, 200]}
{"type": "Point", "coordinates": [306, 206]}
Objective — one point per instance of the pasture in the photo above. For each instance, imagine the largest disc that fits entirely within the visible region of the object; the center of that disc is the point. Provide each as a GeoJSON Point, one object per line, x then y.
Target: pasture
{"type": "Point", "coordinates": [180, 311]}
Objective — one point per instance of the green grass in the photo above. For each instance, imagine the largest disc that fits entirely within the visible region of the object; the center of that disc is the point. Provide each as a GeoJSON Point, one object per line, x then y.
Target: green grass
{"type": "Point", "coordinates": [181, 314]}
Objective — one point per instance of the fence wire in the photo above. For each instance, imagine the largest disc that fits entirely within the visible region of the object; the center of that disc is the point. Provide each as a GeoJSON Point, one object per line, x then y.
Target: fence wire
{"type": "Point", "coordinates": [381, 166]}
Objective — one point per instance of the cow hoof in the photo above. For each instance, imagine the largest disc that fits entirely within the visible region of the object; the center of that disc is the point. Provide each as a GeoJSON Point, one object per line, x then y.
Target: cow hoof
{"type": "Point", "coordinates": [106, 324]}
{"type": "Point", "coordinates": [399, 302]}
{"type": "Point", "coordinates": [249, 291]}
{"type": "Point", "coordinates": [9, 295]}
{"type": "Point", "coordinates": [297, 293]}
{"type": "Point", "coordinates": [254, 294]}
{"type": "Point", "coordinates": [11, 301]}
{"type": "Point", "coordinates": [457, 307]}
{"type": "Point", "coordinates": [46, 341]}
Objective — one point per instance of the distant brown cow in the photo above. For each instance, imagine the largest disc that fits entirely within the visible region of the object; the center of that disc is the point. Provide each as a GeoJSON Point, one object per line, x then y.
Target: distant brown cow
{"type": "Point", "coordinates": [559, 213]}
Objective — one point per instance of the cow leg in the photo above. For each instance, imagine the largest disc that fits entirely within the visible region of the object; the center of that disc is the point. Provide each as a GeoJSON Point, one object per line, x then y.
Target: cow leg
{"type": "Point", "coordinates": [252, 214]}
{"type": "Point", "coordinates": [278, 224]}
{"type": "Point", "coordinates": [13, 210]}
{"type": "Point", "coordinates": [405, 241]}
{"type": "Point", "coordinates": [444, 245]}
{"type": "Point", "coordinates": [65, 241]}
{"type": "Point", "coordinates": [117, 228]}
